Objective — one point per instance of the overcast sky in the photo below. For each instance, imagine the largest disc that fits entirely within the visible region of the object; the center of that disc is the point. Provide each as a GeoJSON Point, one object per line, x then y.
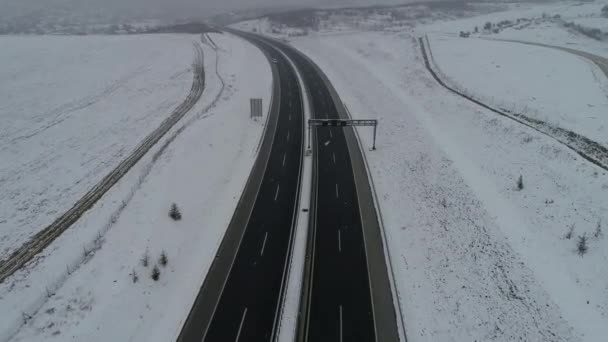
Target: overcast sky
{"type": "Point", "coordinates": [168, 8]}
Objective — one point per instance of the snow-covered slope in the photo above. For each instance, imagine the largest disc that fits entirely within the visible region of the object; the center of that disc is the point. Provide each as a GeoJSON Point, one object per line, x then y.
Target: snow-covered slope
{"type": "Point", "coordinates": [554, 86]}
{"type": "Point", "coordinates": [532, 22]}
{"type": "Point", "coordinates": [202, 166]}
{"type": "Point", "coordinates": [71, 109]}
{"type": "Point", "coordinates": [474, 258]}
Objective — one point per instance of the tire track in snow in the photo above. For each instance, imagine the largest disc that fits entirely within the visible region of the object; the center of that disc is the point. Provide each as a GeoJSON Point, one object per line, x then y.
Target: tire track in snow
{"type": "Point", "coordinates": [42, 239]}
{"type": "Point", "coordinates": [588, 149]}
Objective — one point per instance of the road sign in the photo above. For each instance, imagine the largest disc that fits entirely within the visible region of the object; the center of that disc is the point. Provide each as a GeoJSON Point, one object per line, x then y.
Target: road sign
{"type": "Point", "coordinates": [341, 123]}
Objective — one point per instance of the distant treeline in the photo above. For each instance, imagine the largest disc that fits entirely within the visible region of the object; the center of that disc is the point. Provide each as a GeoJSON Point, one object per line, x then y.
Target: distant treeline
{"type": "Point", "coordinates": [183, 28]}
{"type": "Point", "coordinates": [299, 18]}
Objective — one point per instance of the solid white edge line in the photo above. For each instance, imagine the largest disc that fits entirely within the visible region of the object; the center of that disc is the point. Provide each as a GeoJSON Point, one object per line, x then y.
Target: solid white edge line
{"type": "Point", "coordinates": [339, 242]}
{"type": "Point", "coordinates": [334, 157]}
{"type": "Point", "coordinates": [284, 156]}
{"type": "Point", "coordinates": [337, 191]}
{"type": "Point", "coordinates": [341, 337]}
{"type": "Point", "coordinates": [387, 256]}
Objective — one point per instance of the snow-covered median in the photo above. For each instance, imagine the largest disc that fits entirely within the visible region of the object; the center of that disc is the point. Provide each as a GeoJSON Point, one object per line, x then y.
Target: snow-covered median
{"type": "Point", "coordinates": [202, 169]}
{"type": "Point", "coordinates": [554, 86]}
{"type": "Point", "coordinates": [475, 258]}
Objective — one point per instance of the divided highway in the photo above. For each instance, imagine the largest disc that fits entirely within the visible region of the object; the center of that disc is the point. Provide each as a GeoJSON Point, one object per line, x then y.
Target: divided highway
{"type": "Point", "coordinates": [241, 297]}
{"type": "Point", "coordinates": [347, 293]}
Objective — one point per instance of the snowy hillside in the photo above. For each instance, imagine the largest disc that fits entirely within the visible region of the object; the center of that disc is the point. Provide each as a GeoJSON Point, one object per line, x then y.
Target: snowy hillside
{"type": "Point", "coordinates": [550, 85]}
{"type": "Point", "coordinates": [72, 108]}
{"type": "Point", "coordinates": [475, 258]}
{"type": "Point", "coordinates": [108, 294]}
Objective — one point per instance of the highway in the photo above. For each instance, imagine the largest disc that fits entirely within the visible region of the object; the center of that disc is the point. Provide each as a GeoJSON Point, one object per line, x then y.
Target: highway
{"type": "Point", "coordinates": [242, 293]}
{"type": "Point", "coordinates": [341, 301]}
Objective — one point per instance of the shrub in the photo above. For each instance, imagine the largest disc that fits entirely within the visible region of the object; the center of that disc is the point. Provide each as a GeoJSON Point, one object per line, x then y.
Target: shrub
{"type": "Point", "coordinates": [581, 245]}
{"type": "Point", "coordinates": [598, 230]}
{"type": "Point", "coordinates": [155, 273]}
{"type": "Point", "coordinates": [134, 276]}
{"type": "Point", "coordinates": [174, 213]}
{"type": "Point", "coordinates": [605, 11]}
{"type": "Point", "coordinates": [163, 260]}
{"type": "Point", "coordinates": [487, 26]}
{"type": "Point", "coordinates": [145, 259]}
{"type": "Point", "coordinates": [570, 232]}
{"type": "Point", "coordinates": [520, 183]}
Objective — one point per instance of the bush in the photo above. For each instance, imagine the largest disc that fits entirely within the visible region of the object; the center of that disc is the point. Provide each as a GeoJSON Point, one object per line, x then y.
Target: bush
{"type": "Point", "coordinates": [520, 183]}
{"type": "Point", "coordinates": [163, 260]}
{"type": "Point", "coordinates": [145, 259]}
{"type": "Point", "coordinates": [487, 26]}
{"type": "Point", "coordinates": [581, 245]}
{"type": "Point", "coordinates": [174, 213]}
{"type": "Point", "coordinates": [605, 11]}
{"type": "Point", "coordinates": [570, 232]}
{"type": "Point", "coordinates": [155, 273]}
{"type": "Point", "coordinates": [134, 276]}
{"type": "Point", "coordinates": [598, 230]}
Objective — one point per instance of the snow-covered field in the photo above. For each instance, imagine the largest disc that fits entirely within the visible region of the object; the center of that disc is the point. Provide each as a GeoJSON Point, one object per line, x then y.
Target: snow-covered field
{"type": "Point", "coordinates": [599, 23]}
{"type": "Point", "coordinates": [202, 165]}
{"type": "Point", "coordinates": [537, 25]}
{"type": "Point", "coordinates": [551, 85]}
{"type": "Point", "coordinates": [474, 258]}
{"type": "Point", "coordinates": [71, 109]}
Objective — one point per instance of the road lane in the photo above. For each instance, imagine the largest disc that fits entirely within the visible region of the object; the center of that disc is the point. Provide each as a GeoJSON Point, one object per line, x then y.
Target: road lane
{"type": "Point", "coordinates": [354, 278]}
{"type": "Point", "coordinates": [250, 291]}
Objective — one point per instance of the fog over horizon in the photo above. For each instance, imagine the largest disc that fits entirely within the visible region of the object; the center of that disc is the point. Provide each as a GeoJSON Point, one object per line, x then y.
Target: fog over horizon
{"type": "Point", "coordinates": [165, 9]}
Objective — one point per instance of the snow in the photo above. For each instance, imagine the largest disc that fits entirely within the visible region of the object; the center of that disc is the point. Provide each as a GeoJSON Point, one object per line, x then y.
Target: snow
{"type": "Point", "coordinates": [474, 258]}
{"type": "Point", "coordinates": [535, 27]}
{"type": "Point", "coordinates": [72, 108]}
{"type": "Point", "coordinates": [551, 85]}
{"type": "Point", "coordinates": [202, 166]}
{"type": "Point", "coordinates": [600, 23]}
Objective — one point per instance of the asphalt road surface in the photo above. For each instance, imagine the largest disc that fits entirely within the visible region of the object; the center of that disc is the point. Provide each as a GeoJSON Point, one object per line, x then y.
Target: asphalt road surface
{"type": "Point", "coordinates": [340, 307]}
{"type": "Point", "coordinates": [250, 296]}
{"type": "Point", "coordinates": [343, 302]}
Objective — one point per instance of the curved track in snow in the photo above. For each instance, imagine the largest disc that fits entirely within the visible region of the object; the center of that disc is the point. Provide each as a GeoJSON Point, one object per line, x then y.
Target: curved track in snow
{"type": "Point", "coordinates": [42, 239]}
{"type": "Point", "coordinates": [591, 150]}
